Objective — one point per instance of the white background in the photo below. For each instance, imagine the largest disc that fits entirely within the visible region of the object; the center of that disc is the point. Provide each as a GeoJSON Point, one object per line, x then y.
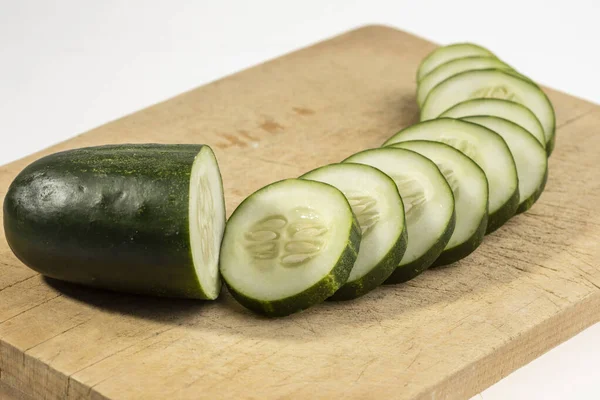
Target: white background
{"type": "Point", "coordinates": [68, 66]}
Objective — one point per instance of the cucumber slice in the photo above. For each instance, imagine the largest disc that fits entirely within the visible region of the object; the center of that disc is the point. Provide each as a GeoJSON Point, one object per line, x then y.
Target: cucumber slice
{"type": "Point", "coordinates": [470, 188]}
{"type": "Point", "coordinates": [378, 207]}
{"type": "Point", "coordinates": [448, 53]}
{"type": "Point", "coordinates": [135, 218]}
{"type": "Point", "coordinates": [451, 68]}
{"type": "Point", "coordinates": [515, 112]}
{"type": "Point", "coordinates": [530, 157]}
{"type": "Point", "coordinates": [288, 246]}
{"type": "Point", "coordinates": [428, 204]}
{"type": "Point", "coordinates": [483, 146]}
{"type": "Point", "coordinates": [491, 83]}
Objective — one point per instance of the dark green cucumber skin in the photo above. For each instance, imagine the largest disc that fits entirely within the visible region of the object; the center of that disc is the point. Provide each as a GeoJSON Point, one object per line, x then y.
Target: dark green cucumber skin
{"type": "Point", "coordinates": [550, 144]}
{"type": "Point", "coordinates": [113, 217]}
{"type": "Point", "coordinates": [377, 276]}
{"type": "Point", "coordinates": [415, 268]}
{"type": "Point", "coordinates": [527, 204]}
{"type": "Point", "coordinates": [504, 213]}
{"type": "Point", "coordinates": [317, 293]}
{"type": "Point", "coordinates": [461, 251]}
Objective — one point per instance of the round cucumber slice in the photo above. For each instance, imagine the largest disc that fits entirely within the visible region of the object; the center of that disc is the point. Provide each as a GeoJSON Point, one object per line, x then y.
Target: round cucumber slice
{"type": "Point", "coordinates": [448, 53]}
{"type": "Point", "coordinates": [530, 157]}
{"type": "Point", "coordinates": [451, 68]}
{"type": "Point", "coordinates": [379, 210]}
{"type": "Point", "coordinates": [491, 83]}
{"type": "Point", "coordinates": [483, 146]}
{"type": "Point", "coordinates": [515, 112]}
{"type": "Point", "coordinates": [470, 188]}
{"type": "Point", "coordinates": [288, 246]}
{"type": "Point", "coordinates": [428, 204]}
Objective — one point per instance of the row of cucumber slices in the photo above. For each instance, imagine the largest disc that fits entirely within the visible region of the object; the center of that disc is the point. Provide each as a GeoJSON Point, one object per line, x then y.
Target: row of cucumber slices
{"type": "Point", "coordinates": [425, 198]}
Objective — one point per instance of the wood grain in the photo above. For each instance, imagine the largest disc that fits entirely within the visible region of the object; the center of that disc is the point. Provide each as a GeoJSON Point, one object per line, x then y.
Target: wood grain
{"type": "Point", "coordinates": [447, 334]}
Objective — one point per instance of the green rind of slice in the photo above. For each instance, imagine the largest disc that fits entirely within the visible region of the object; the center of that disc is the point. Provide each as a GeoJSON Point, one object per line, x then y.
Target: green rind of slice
{"type": "Point", "coordinates": [453, 67]}
{"type": "Point", "coordinates": [378, 275]}
{"type": "Point", "coordinates": [428, 196]}
{"type": "Point", "coordinates": [510, 110]}
{"type": "Point", "coordinates": [527, 204]}
{"type": "Point", "coordinates": [492, 83]}
{"type": "Point", "coordinates": [375, 200]}
{"type": "Point", "coordinates": [315, 294]}
{"type": "Point", "coordinates": [288, 246]}
{"type": "Point", "coordinates": [442, 55]}
{"type": "Point", "coordinates": [503, 214]}
{"type": "Point", "coordinates": [471, 195]}
{"type": "Point", "coordinates": [411, 270]}
{"type": "Point", "coordinates": [503, 183]}
{"type": "Point", "coordinates": [529, 155]}
{"type": "Point", "coordinates": [463, 250]}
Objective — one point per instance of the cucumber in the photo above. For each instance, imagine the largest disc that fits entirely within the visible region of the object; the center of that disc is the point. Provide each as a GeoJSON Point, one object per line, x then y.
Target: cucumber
{"type": "Point", "coordinates": [143, 219]}
{"type": "Point", "coordinates": [470, 188]}
{"type": "Point", "coordinates": [428, 203]}
{"type": "Point", "coordinates": [515, 112]}
{"type": "Point", "coordinates": [378, 207]}
{"type": "Point", "coordinates": [442, 55]}
{"type": "Point", "coordinates": [483, 146]}
{"type": "Point", "coordinates": [491, 83]}
{"type": "Point", "coordinates": [451, 68]}
{"type": "Point", "coordinates": [530, 157]}
{"type": "Point", "coordinates": [288, 246]}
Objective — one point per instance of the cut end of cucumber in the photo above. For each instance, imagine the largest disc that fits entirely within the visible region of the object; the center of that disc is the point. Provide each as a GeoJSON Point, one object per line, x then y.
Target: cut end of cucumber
{"type": "Point", "coordinates": [207, 220]}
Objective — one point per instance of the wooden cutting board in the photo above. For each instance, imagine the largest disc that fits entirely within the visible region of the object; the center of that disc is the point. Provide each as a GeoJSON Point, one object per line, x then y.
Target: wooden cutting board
{"type": "Point", "coordinates": [447, 334]}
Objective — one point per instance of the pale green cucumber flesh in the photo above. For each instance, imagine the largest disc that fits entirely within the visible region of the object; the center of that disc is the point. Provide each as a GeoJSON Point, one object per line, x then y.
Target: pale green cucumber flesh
{"type": "Point", "coordinates": [428, 201]}
{"type": "Point", "coordinates": [527, 204]}
{"type": "Point", "coordinates": [463, 250]}
{"type": "Point", "coordinates": [413, 269]}
{"type": "Point", "coordinates": [288, 246]}
{"type": "Point", "coordinates": [492, 83]}
{"type": "Point", "coordinates": [444, 54]}
{"type": "Point", "coordinates": [375, 201]}
{"type": "Point", "coordinates": [453, 67]}
{"type": "Point", "coordinates": [483, 146]}
{"type": "Point", "coordinates": [529, 155]}
{"type": "Point", "coordinates": [515, 112]}
{"type": "Point", "coordinates": [470, 187]}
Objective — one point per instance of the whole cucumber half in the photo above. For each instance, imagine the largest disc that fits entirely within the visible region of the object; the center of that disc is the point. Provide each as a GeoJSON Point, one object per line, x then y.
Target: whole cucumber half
{"type": "Point", "coordinates": [145, 219]}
